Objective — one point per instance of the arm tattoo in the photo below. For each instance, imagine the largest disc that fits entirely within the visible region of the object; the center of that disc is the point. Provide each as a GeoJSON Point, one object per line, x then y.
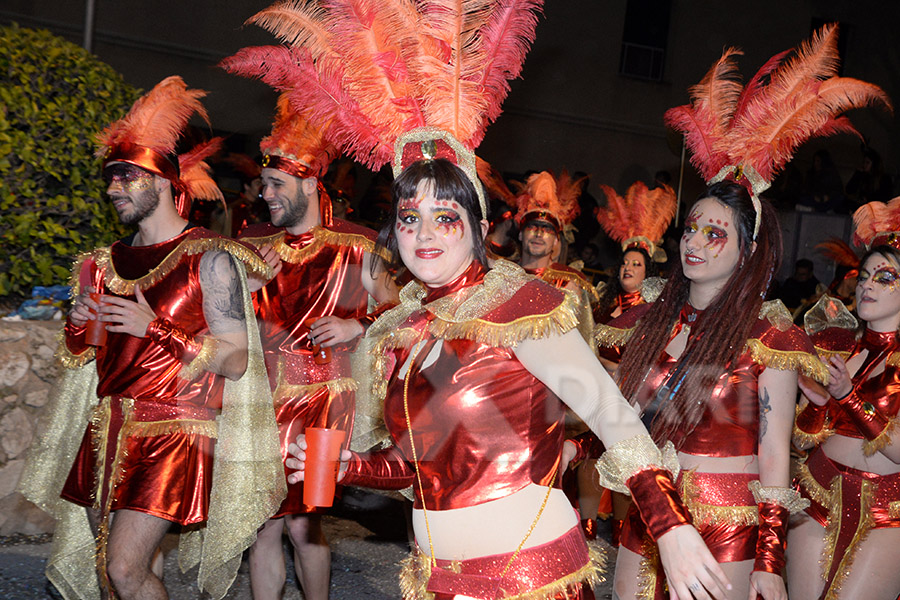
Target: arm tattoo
{"type": "Point", "coordinates": [764, 407]}
{"type": "Point", "coordinates": [223, 304]}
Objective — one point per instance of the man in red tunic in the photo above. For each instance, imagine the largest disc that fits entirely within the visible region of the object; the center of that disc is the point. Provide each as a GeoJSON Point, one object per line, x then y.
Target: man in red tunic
{"type": "Point", "coordinates": [547, 206]}
{"type": "Point", "coordinates": [310, 317]}
{"type": "Point", "coordinates": [175, 306]}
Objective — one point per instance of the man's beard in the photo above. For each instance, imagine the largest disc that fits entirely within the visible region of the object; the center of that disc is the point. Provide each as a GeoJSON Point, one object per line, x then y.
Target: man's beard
{"type": "Point", "coordinates": [294, 212]}
{"type": "Point", "coordinates": [143, 204]}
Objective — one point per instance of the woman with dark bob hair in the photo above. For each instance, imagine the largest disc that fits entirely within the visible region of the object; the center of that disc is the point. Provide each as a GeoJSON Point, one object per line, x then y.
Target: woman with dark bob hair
{"type": "Point", "coordinates": [719, 368]}
{"type": "Point", "coordinates": [478, 366]}
{"type": "Point", "coordinates": [844, 545]}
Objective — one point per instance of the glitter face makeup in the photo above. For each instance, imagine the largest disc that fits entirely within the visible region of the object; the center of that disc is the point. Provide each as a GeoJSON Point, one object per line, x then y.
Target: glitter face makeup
{"type": "Point", "coordinates": [633, 271]}
{"type": "Point", "coordinates": [539, 240]}
{"type": "Point", "coordinates": [878, 293]}
{"type": "Point", "coordinates": [127, 177]}
{"type": "Point", "coordinates": [709, 244]}
{"type": "Point", "coordinates": [432, 237]}
{"type": "Point", "coordinates": [131, 190]}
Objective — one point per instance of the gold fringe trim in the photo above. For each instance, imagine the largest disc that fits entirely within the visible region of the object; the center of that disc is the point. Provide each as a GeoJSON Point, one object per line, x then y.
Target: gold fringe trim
{"type": "Point", "coordinates": [186, 426]}
{"type": "Point", "coordinates": [871, 447]}
{"type": "Point", "coordinates": [833, 504]}
{"type": "Point", "coordinates": [807, 440]}
{"type": "Point", "coordinates": [609, 337]}
{"type": "Point", "coordinates": [286, 391]}
{"type": "Point", "coordinates": [402, 338]}
{"type": "Point", "coordinates": [266, 240]}
{"type": "Point", "coordinates": [585, 286]}
{"type": "Point", "coordinates": [804, 439]}
{"type": "Point", "coordinates": [818, 493]}
{"type": "Point", "coordinates": [784, 497]}
{"type": "Point", "coordinates": [78, 264]}
{"type": "Point", "coordinates": [788, 360]}
{"type": "Point", "coordinates": [893, 359]}
{"type": "Point", "coordinates": [66, 358]}
{"type": "Point", "coordinates": [710, 513]}
{"type": "Point", "coordinates": [100, 420]}
{"type": "Point", "coordinates": [415, 570]}
{"type": "Point", "coordinates": [208, 352]}
{"type": "Point", "coordinates": [321, 237]}
{"type": "Point", "coordinates": [506, 335]}
{"type": "Point", "coordinates": [867, 494]}
{"type": "Point", "coordinates": [627, 457]}
{"type": "Point", "coordinates": [648, 571]}
{"type": "Point", "coordinates": [337, 238]}
{"type": "Point", "coordinates": [118, 285]}
{"type": "Point", "coordinates": [825, 355]}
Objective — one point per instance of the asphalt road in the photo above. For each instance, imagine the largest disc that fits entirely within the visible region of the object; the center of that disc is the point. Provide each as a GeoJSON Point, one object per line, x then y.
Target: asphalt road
{"type": "Point", "coordinates": [368, 539]}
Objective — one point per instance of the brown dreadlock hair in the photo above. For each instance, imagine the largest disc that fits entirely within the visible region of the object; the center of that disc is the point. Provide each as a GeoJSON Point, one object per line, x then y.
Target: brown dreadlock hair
{"type": "Point", "coordinates": [720, 332]}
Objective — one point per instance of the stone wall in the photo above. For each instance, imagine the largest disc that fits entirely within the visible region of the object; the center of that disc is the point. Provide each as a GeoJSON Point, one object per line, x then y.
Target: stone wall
{"type": "Point", "coordinates": [27, 370]}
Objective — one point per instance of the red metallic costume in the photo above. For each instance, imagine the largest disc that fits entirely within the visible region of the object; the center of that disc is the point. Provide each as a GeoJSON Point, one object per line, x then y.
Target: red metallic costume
{"type": "Point", "coordinates": [320, 276]}
{"type": "Point", "coordinates": [151, 441]}
{"type": "Point", "coordinates": [846, 501]}
{"type": "Point", "coordinates": [483, 426]}
{"type": "Point", "coordinates": [724, 505]}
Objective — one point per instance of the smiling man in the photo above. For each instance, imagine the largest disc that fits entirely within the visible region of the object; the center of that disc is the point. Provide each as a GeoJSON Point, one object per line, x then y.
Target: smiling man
{"type": "Point", "coordinates": [547, 206]}
{"type": "Point", "coordinates": [311, 315]}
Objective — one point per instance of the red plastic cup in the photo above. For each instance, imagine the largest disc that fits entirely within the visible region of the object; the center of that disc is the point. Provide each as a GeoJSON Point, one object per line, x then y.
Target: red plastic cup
{"type": "Point", "coordinates": [323, 453]}
{"type": "Point", "coordinates": [95, 334]}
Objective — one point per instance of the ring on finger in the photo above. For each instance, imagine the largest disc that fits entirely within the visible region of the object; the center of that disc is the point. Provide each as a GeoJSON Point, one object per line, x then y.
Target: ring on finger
{"type": "Point", "coordinates": [695, 587]}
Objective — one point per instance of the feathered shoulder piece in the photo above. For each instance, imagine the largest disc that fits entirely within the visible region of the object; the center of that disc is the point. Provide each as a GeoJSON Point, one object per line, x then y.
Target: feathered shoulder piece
{"type": "Point", "coordinates": [877, 223]}
{"type": "Point", "coordinates": [399, 80]}
{"type": "Point", "coordinates": [640, 219]}
{"type": "Point", "coordinates": [147, 136]}
{"type": "Point", "coordinates": [748, 133]}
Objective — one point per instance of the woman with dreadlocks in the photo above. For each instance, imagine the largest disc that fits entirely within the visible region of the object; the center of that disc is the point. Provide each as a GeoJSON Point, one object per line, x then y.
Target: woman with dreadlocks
{"type": "Point", "coordinates": [718, 364]}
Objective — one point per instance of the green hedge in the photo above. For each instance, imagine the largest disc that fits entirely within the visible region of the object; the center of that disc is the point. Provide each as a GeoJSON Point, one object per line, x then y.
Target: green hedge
{"type": "Point", "coordinates": [54, 97]}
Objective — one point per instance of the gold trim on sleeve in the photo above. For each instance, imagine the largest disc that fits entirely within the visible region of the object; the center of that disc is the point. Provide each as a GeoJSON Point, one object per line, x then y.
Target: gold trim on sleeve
{"type": "Point", "coordinates": [208, 351]}
{"type": "Point", "coordinates": [630, 456]}
{"type": "Point", "coordinates": [784, 497]}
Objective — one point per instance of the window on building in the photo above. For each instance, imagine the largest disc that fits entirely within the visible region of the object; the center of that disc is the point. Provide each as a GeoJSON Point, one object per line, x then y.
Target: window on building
{"type": "Point", "coordinates": [644, 39]}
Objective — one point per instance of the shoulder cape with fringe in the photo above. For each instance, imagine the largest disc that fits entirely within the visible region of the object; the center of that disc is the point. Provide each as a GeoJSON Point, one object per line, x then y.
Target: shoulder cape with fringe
{"type": "Point", "coordinates": [340, 233]}
{"type": "Point", "coordinates": [248, 475]}
{"type": "Point", "coordinates": [774, 341]}
{"type": "Point", "coordinates": [506, 308]}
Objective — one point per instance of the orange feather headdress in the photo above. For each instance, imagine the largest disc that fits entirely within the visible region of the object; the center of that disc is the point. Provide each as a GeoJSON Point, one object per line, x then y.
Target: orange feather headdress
{"type": "Point", "coordinates": [552, 199]}
{"type": "Point", "coordinates": [640, 219]}
{"type": "Point", "coordinates": [877, 223]}
{"type": "Point", "coordinates": [147, 136]}
{"type": "Point", "coordinates": [747, 133]}
{"type": "Point", "coordinates": [398, 80]}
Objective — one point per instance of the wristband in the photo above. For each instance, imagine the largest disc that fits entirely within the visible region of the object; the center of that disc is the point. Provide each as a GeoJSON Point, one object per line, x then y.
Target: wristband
{"type": "Point", "coordinates": [173, 339]}
{"type": "Point", "coordinates": [772, 540]}
{"type": "Point", "coordinates": [656, 498]}
{"type": "Point", "coordinates": [811, 419]}
{"type": "Point", "coordinates": [867, 418]}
